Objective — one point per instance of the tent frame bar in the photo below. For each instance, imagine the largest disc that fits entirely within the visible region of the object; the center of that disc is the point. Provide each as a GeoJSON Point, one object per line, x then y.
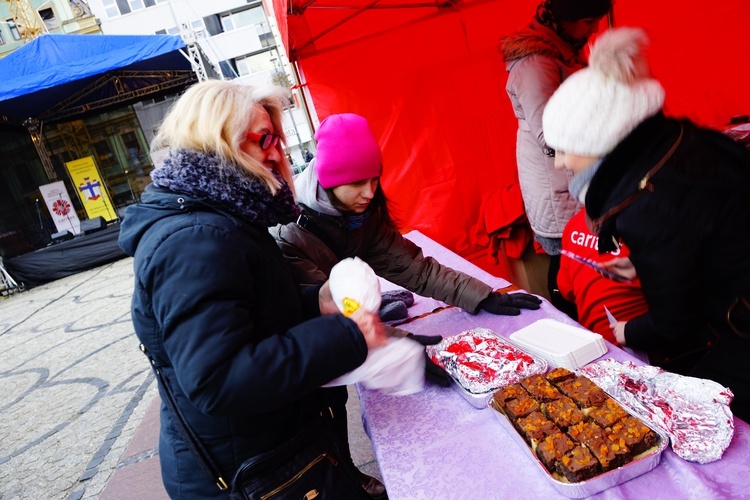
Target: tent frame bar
{"type": "Point", "coordinates": [169, 79]}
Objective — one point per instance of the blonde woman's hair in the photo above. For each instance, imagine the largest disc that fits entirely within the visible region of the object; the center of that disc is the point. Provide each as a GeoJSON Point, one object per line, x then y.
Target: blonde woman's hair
{"type": "Point", "coordinates": [213, 117]}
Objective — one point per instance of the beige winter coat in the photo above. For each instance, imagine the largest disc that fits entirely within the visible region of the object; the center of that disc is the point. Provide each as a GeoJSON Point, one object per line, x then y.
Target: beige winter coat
{"type": "Point", "coordinates": [537, 61]}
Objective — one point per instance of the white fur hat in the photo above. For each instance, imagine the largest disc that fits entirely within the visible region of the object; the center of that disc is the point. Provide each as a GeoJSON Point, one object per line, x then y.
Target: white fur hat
{"type": "Point", "coordinates": [598, 106]}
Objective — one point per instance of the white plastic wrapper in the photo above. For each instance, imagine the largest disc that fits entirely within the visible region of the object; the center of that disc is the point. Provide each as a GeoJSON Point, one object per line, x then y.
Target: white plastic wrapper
{"type": "Point", "coordinates": [396, 369]}
{"type": "Point", "coordinates": [694, 412]}
{"type": "Point", "coordinates": [353, 285]}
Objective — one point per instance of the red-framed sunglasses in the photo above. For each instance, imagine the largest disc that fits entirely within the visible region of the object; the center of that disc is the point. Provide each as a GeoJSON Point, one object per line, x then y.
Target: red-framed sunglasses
{"type": "Point", "coordinates": [265, 141]}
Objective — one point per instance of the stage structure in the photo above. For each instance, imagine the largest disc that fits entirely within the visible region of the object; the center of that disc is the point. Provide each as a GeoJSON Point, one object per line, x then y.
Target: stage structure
{"type": "Point", "coordinates": [58, 77]}
{"type": "Point", "coordinates": [60, 82]}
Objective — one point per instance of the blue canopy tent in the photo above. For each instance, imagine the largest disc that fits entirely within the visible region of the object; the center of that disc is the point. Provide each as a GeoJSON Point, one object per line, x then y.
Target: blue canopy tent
{"type": "Point", "coordinates": [56, 77]}
{"type": "Point", "coordinates": [60, 78]}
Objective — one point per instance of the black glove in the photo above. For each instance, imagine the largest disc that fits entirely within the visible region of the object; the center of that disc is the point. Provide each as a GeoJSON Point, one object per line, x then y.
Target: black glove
{"type": "Point", "coordinates": [404, 296]}
{"type": "Point", "coordinates": [425, 339]}
{"type": "Point", "coordinates": [432, 372]}
{"type": "Point", "coordinates": [509, 304]}
{"type": "Point", "coordinates": [393, 311]}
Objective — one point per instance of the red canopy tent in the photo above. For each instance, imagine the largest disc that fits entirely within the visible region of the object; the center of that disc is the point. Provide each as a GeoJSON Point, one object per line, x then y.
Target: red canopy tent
{"type": "Point", "coordinates": [428, 77]}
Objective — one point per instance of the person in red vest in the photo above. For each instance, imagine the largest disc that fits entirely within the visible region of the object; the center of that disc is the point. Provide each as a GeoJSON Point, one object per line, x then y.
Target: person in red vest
{"type": "Point", "coordinates": [588, 288]}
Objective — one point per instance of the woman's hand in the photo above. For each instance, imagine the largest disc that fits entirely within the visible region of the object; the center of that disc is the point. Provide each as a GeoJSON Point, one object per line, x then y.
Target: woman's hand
{"type": "Point", "coordinates": [325, 300]}
{"type": "Point", "coordinates": [619, 330]}
{"type": "Point", "coordinates": [621, 266]}
{"type": "Point", "coordinates": [371, 327]}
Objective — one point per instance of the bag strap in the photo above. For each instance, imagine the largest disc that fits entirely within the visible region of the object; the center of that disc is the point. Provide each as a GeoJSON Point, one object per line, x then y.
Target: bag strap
{"type": "Point", "coordinates": [187, 432]}
{"type": "Point", "coordinates": [595, 225]}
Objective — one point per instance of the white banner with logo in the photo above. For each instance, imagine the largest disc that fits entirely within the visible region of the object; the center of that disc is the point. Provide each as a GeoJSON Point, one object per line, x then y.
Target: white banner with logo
{"type": "Point", "coordinates": [60, 208]}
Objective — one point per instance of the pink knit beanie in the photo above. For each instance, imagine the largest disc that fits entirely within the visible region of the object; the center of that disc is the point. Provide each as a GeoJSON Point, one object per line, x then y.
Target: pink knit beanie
{"type": "Point", "coordinates": [347, 151]}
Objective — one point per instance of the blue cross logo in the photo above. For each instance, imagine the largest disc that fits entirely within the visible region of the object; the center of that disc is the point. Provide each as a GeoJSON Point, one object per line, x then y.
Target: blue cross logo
{"type": "Point", "coordinates": [91, 189]}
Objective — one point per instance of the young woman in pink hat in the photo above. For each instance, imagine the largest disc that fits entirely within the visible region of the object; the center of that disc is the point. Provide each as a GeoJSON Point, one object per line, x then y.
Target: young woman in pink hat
{"type": "Point", "coordinates": [345, 214]}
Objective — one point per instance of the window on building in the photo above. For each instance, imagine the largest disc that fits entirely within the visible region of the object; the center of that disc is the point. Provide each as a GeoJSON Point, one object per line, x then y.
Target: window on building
{"type": "Point", "coordinates": [114, 8]}
{"type": "Point", "coordinates": [265, 35]}
{"type": "Point", "coordinates": [213, 25]}
{"type": "Point", "coordinates": [136, 4]}
{"type": "Point", "coordinates": [13, 29]}
{"type": "Point", "coordinates": [249, 65]}
{"type": "Point", "coordinates": [49, 19]}
{"type": "Point", "coordinates": [2, 38]}
{"type": "Point", "coordinates": [200, 28]}
{"type": "Point", "coordinates": [248, 17]}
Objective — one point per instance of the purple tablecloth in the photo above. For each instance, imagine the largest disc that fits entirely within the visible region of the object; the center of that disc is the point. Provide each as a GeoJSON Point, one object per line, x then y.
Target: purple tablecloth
{"type": "Point", "coordinates": [435, 445]}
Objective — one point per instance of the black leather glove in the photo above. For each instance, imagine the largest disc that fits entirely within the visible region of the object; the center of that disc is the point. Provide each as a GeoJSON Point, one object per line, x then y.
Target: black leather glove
{"type": "Point", "coordinates": [432, 372]}
{"type": "Point", "coordinates": [509, 304]}
{"type": "Point", "coordinates": [393, 311]}
{"type": "Point", "coordinates": [425, 339]}
{"type": "Point", "coordinates": [404, 296]}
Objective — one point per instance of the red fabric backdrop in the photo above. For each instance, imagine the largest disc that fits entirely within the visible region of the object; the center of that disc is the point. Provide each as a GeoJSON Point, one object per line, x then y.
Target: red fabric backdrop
{"type": "Point", "coordinates": [432, 84]}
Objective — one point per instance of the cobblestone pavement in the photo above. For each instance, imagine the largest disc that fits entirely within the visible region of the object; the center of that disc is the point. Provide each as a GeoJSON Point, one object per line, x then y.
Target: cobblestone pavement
{"type": "Point", "coordinates": [73, 384]}
{"type": "Point", "coordinates": [74, 388]}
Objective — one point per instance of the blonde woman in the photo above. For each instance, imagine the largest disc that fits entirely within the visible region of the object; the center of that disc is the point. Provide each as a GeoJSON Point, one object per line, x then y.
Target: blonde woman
{"type": "Point", "coordinates": [214, 303]}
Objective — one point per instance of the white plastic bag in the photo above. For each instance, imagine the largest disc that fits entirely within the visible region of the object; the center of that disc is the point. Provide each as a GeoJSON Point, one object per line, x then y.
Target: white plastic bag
{"type": "Point", "coordinates": [396, 369]}
{"type": "Point", "coordinates": [353, 285]}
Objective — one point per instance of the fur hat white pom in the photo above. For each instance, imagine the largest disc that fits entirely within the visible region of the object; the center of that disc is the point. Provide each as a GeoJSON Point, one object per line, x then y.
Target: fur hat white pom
{"type": "Point", "coordinates": [597, 107]}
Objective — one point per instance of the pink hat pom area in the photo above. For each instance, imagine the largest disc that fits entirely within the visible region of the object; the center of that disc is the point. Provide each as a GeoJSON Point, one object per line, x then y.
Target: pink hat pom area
{"type": "Point", "coordinates": [347, 151]}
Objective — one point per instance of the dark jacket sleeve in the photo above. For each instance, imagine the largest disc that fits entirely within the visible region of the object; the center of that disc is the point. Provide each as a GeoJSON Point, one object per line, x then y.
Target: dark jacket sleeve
{"type": "Point", "coordinates": [402, 262]}
{"type": "Point", "coordinates": [311, 260]}
{"type": "Point", "coordinates": [230, 349]}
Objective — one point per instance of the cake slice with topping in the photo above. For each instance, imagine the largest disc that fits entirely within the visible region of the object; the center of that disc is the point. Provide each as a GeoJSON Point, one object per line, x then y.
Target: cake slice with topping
{"type": "Point", "coordinates": [505, 394]}
{"type": "Point", "coordinates": [609, 413]}
{"type": "Point", "coordinates": [563, 412]}
{"type": "Point", "coordinates": [552, 448]}
{"type": "Point", "coordinates": [520, 407]}
{"type": "Point", "coordinates": [535, 428]}
{"type": "Point", "coordinates": [540, 388]}
{"type": "Point", "coordinates": [632, 433]}
{"type": "Point", "coordinates": [578, 465]}
{"type": "Point", "coordinates": [560, 374]}
{"type": "Point", "coordinates": [583, 391]}
{"type": "Point", "coordinates": [610, 454]}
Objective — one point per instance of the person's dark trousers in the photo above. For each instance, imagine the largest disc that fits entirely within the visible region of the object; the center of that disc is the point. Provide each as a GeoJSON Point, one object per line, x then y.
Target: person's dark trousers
{"type": "Point", "coordinates": [337, 397]}
{"type": "Point", "coordinates": [556, 297]}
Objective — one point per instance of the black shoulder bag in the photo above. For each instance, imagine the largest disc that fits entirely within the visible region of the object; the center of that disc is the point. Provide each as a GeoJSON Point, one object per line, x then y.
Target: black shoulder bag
{"type": "Point", "coordinates": [305, 467]}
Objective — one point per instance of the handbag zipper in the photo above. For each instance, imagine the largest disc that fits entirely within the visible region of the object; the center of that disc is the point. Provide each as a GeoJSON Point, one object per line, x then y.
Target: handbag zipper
{"type": "Point", "coordinates": [299, 474]}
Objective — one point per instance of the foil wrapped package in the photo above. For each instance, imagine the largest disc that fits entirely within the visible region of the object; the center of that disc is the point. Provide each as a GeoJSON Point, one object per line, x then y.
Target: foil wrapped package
{"type": "Point", "coordinates": [481, 361]}
{"type": "Point", "coordinates": [693, 412]}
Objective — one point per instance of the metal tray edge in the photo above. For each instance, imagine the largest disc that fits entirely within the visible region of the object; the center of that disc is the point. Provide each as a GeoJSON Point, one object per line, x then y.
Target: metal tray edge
{"type": "Point", "coordinates": [601, 482]}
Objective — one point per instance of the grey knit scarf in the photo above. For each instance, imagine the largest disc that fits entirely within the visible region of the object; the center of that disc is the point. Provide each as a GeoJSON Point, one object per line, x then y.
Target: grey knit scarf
{"type": "Point", "coordinates": [579, 184]}
{"type": "Point", "coordinates": [226, 186]}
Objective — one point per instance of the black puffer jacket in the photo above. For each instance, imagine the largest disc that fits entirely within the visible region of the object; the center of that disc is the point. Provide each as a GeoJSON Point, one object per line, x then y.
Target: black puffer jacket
{"type": "Point", "coordinates": [216, 305]}
{"type": "Point", "coordinates": [689, 236]}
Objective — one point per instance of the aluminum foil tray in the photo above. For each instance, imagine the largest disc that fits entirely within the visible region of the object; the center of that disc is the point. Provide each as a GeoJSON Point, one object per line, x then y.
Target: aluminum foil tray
{"type": "Point", "coordinates": [603, 481]}
{"type": "Point", "coordinates": [478, 392]}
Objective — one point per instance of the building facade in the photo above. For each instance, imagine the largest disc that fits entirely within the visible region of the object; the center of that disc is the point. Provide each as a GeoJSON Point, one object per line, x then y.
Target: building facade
{"type": "Point", "coordinates": [238, 38]}
{"type": "Point", "coordinates": [234, 35]}
{"type": "Point", "coordinates": [22, 20]}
